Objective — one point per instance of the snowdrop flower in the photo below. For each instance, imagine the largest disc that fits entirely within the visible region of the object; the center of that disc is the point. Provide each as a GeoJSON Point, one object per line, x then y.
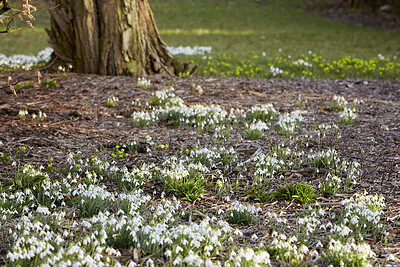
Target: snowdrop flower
{"type": "Point", "coordinates": [187, 50]}
{"type": "Point", "coordinates": [168, 253]}
{"type": "Point", "coordinates": [143, 82]}
{"type": "Point", "coordinates": [302, 62]}
{"type": "Point", "coordinates": [149, 262]}
{"type": "Point", "coordinates": [303, 249]}
{"type": "Point", "coordinates": [275, 71]}
{"type": "Point", "coordinates": [26, 62]}
{"type": "Point", "coordinates": [178, 249]}
{"type": "Point", "coordinates": [177, 261]}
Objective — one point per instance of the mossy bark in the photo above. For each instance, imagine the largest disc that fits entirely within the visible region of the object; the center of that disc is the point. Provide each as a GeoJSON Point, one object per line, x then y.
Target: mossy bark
{"type": "Point", "coordinates": [108, 37]}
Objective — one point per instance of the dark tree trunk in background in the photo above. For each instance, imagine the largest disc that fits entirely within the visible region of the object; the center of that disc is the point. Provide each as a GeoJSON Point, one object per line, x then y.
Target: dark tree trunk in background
{"type": "Point", "coordinates": [108, 37]}
{"type": "Point", "coordinates": [374, 5]}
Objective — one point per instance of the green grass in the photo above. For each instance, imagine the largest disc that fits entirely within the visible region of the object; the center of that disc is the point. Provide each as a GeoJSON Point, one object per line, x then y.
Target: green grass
{"type": "Point", "coordinates": [240, 26]}
{"type": "Point", "coordinates": [240, 31]}
{"type": "Point", "coordinates": [28, 41]}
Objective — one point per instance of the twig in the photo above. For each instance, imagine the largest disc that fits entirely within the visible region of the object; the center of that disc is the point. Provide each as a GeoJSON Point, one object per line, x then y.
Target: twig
{"type": "Point", "coordinates": [8, 27]}
{"type": "Point", "coordinates": [6, 7]}
{"type": "Point", "coordinates": [307, 170]}
{"type": "Point", "coordinates": [200, 214]}
{"type": "Point", "coordinates": [325, 204]}
{"type": "Point", "coordinates": [258, 151]}
{"type": "Point", "coordinates": [23, 73]}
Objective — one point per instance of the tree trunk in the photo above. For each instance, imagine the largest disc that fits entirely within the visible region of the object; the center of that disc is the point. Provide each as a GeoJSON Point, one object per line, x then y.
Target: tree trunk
{"type": "Point", "coordinates": [108, 37]}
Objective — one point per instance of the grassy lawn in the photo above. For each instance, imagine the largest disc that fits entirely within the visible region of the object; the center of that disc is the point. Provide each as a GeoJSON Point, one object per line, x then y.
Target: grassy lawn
{"type": "Point", "coordinates": [257, 39]}
{"type": "Point", "coordinates": [240, 31]}
{"type": "Point", "coordinates": [239, 27]}
{"type": "Point", "coordinates": [27, 41]}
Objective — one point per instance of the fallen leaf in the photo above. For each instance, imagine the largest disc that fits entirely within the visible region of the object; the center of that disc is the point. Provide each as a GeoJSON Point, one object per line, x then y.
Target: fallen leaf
{"type": "Point", "coordinates": [394, 231]}
{"type": "Point", "coordinates": [199, 89]}
{"type": "Point", "coordinates": [384, 127]}
{"type": "Point", "coordinates": [12, 88]}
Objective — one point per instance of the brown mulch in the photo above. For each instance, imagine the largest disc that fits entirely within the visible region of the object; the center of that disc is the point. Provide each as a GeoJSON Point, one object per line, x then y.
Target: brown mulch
{"type": "Point", "coordinates": [79, 121]}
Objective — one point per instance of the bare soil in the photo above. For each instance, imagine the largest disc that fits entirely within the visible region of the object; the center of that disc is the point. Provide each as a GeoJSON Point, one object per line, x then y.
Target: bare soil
{"type": "Point", "coordinates": [79, 121]}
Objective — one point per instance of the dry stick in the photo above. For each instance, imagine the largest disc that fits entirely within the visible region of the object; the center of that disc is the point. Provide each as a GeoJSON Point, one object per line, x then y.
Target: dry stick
{"type": "Point", "coordinates": [306, 170]}
{"type": "Point", "coordinates": [200, 214]}
{"type": "Point", "coordinates": [390, 167]}
{"type": "Point", "coordinates": [22, 74]}
{"type": "Point", "coordinates": [258, 151]}
{"type": "Point", "coordinates": [325, 204]}
{"type": "Point", "coordinates": [8, 27]}
{"type": "Point", "coordinates": [197, 213]}
{"type": "Point", "coordinates": [6, 7]}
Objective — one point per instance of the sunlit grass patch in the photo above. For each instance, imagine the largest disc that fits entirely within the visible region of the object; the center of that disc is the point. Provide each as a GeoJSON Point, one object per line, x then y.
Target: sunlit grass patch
{"type": "Point", "coordinates": [347, 116]}
{"type": "Point", "coordinates": [312, 66]}
{"type": "Point", "coordinates": [338, 102]}
{"type": "Point", "coordinates": [214, 156]}
{"type": "Point", "coordinates": [256, 130]}
{"type": "Point", "coordinates": [248, 257]}
{"type": "Point", "coordinates": [266, 166]}
{"type": "Point", "coordinates": [111, 102]}
{"type": "Point", "coordinates": [362, 214]}
{"type": "Point", "coordinates": [301, 192]}
{"type": "Point", "coordinates": [288, 123]}
{"type": "Point", "coordinates": [141, 118]}
{"type": "Point", "coordinates": [143, 83]}
{"type": "Point", "coordinates": [27, 177]}
{"type": "Point", "coordinates": [93, 199]}
{"type": "Point", "coordinates": [138, 177]}
{"type": "Point", "coordinates": [287, 251]}
{"type": "Point", "coordinates": [242, 214]}
{"type": "Point", "coordinates": [348, 254]}
{"type": "Point", "coordinates": [261, 113]}
{"type": "Point", "coordinates": [188, 182]}
{"type": "Point", "coordinates": [260, 191]}
{"type": "Point", "coordinates": [324, 159]}
{"type": "Point", "coordinates": [222, 134]}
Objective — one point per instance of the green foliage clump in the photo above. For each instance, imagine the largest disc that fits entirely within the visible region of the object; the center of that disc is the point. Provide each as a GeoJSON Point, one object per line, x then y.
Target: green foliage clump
{"type": "Point", "coordinates": [301, 192]}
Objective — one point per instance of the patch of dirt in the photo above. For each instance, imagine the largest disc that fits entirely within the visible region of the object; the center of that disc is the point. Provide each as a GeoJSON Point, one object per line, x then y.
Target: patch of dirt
{"type": "Point", "coordinates": [77, 120]}
{"type": "Point", "coordinates": [337, 10]}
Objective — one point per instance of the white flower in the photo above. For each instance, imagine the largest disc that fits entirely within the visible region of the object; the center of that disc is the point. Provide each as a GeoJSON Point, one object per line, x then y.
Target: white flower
{"type": "Point", "coordinates": [177, 261]}
{"type": "Point", "coordinates": [178, 249]}
{"type": "Point", "coordinates": [187, 50]}
{"type": "Point", "coordinates": [314, 255]}
{"type": "Point", "coordinates": [143, 83]}
{"type": "Point", "coordinates": [149, 262]}
{"type": "Point", "coordinates": [303, 249]}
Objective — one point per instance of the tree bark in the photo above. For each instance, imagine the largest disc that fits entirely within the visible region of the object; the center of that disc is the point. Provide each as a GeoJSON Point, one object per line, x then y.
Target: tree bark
{"type": "Point", "coordinates": [108, 37]}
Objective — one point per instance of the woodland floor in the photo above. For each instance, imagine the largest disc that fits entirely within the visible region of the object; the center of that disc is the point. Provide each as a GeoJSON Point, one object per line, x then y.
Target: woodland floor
{"type": "Point", "coordinates": [79, 121]}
